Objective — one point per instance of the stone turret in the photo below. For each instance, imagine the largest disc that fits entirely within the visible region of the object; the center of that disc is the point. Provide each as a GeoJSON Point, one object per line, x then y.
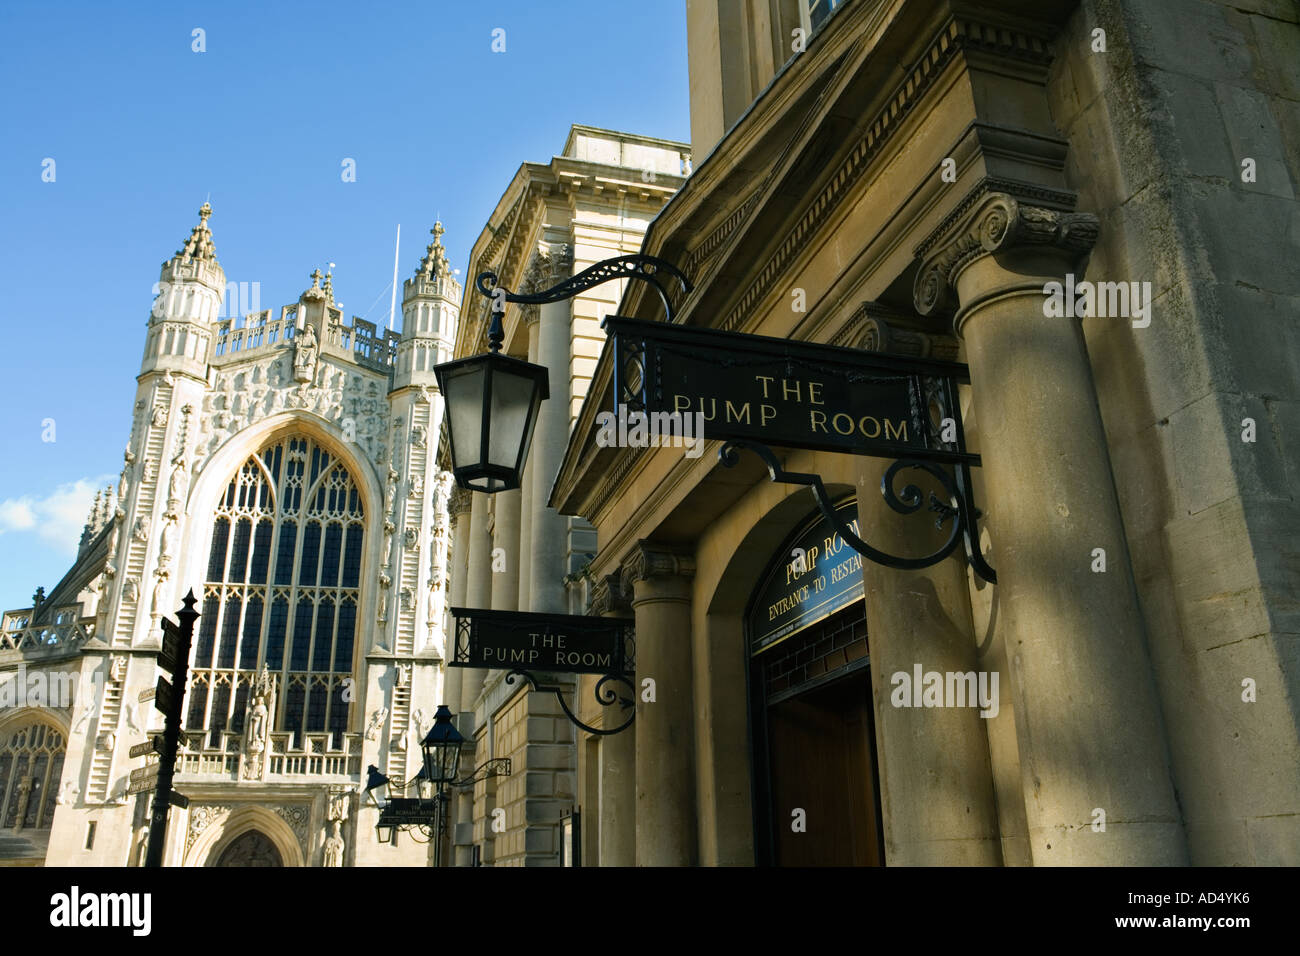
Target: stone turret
{"type": "Point", "coordinates": [188, 300]}
{"type": "Point", "coordinates": [430, 307]}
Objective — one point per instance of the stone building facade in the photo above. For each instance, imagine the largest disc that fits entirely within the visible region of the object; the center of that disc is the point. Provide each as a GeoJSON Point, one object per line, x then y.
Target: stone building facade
{"type": "Point", "coordinates": [512, 551]}
{"type": "Point", "coordinates": [926, 179]}
{"type": "Point", "coordinates": [283, 467]}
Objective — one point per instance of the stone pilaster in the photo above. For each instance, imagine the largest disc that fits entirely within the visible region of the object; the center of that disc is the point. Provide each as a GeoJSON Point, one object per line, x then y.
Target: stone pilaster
{"type": "Point", "coordinates": [1089, 728]}
{"type": "Point", "coordinates": [665, 779]}
{"type": "Point", "coordinates": [616, 819]}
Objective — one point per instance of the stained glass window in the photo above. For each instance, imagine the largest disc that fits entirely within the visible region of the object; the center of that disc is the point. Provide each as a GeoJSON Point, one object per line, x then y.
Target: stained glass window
{"type": "Point", "coordinates": [282, 589]}
{"type": "Point", "coordinates": [31, 763]}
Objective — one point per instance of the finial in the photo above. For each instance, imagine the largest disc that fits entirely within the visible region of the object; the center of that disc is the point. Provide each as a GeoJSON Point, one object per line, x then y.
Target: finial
{"type": "Point", "coordinates": [199, 245]}
{"type": "Point", "coordinates": [435, 257]}
{"type": "Point", "coordinates": [204, 212]}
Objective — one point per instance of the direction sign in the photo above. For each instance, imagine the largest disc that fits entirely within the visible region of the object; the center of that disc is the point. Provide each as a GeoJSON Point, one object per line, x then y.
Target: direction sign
{"type": "Point", "coordinates": [164, 696]}
{"type": "Point", "coordinates": [152, 746]}
{"type": "Point", "coordinates": [170, 657]}
{"type": "Point", "coordinates": [179, 800]}
{"type": "Point", "coordinates": [146, 695]}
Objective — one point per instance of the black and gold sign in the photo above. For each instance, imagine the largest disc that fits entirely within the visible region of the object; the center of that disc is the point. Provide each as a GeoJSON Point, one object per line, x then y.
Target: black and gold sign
{"type": "Point", "coordinates": [561, 643]}
{"type": "Point", "coordinates": [787, 393]}
{"type": "Point", "coordinates": [813, 576]}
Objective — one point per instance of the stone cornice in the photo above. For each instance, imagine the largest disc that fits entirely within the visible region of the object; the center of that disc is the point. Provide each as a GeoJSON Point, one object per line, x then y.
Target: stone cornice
{"type": "Point", "coordinates": [649, 560]}
{"type": "Point", "coordinates": [988, 222]}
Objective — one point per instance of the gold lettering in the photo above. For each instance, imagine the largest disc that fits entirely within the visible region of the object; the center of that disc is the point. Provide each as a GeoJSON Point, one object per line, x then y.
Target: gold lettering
{"type": "Point", "coordinates": [862, 425]}
{"type": "Point", "coordinates": [900, 434]}
{"type": "Point", "coordinates": [713, 411]}
{"type": "Point", "coordinates": [785, 390]}
{"type": "Point", "coordinates": [814, 393]}
{"type": "Point", "coordinates": [734, 414]}
{"type": "Point", "coordinates": [681, 403]}
{"type": "Point", "coordinates": [818, 420]}
{"type": "Point", "coordinates": [835, 423]}
{"type": "Point", "coordinates": [765, 379]}
{"type": "Point", "coordinates": [765, 412]}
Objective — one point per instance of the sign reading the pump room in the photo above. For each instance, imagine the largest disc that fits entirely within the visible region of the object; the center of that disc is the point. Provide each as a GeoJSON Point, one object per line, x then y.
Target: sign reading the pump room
{"type": "Point", "coordinates": [812, 577]}
{"type": "Point", "coordinates": [788, 393]}
{"type": "Point", "coordinates": [556, 643]}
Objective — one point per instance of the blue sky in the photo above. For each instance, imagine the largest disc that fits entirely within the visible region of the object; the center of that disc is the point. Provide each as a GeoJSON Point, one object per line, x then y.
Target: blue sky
{"type": "Point", "coordinates": [143, 129]}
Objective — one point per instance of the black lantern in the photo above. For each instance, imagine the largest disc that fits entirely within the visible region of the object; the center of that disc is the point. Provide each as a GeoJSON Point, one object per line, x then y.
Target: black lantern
{"type": "Point", "coordinates": [492, 402]}
{"type": "Point", "coordinates": [441, 748]}
{"type": "Point", "coordinates": [376, 787]}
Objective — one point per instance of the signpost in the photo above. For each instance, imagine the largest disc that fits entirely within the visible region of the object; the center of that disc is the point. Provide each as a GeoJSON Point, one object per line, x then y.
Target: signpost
{"type": "Point", "coordinates": [519, 640]}
{"type": "Point", "coordinates": [168, 698]}
{"type": "Point", "coordinates": [789, 393]}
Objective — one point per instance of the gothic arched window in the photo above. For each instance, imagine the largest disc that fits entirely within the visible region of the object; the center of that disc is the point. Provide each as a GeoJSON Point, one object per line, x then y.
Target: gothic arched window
{"type": "Point", "coordinates": [31, 763]}
{"type": "Point", "coordinates": [281, 591]}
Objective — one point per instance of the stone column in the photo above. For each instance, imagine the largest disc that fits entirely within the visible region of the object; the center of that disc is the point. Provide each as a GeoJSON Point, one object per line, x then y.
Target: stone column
{"type": "Point", "coordinates": [478, 587]}
{"type": "Point", "coordinates": [458, 507]}
{"type": "Point", "coordinates": [665, 758]}
{"type": "Point", "coordinates": [549, 547]}
{"type": "Point", "coordinates": [1089, 726]}
{"type": "Point", "coordinates": [529, 316]}
{"type": "Point", "coordinates": [617, 768]}
{"type": "Point", "coordinates": [505, 583]}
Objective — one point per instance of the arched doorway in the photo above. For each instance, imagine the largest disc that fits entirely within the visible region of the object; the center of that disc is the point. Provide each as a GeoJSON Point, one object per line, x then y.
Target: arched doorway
{"type": "Point", "coordinates": [816, 783]}
{"type": "Point", "coordinates": [251, 848]}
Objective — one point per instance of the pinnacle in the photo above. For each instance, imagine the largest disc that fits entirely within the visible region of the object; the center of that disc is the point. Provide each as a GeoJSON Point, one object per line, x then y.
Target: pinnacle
{"type": "Point", "coordinates": [435, 257]}
{"type": "Point", "coordinates": [199, 245]}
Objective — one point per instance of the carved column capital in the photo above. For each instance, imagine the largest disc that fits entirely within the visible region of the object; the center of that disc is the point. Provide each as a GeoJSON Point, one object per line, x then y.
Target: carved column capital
{"type": "Point", "coordinates": [561, 262]}
{"type": "Point", "coordinates": [987, 223]}
{"type": "Point", "coordinates": [874, 327]}
{"type": "Point", "coordinates": [649, 561]}
{"type": "Point", "coordinates": [609, 597]}
{"type": "Point", "coordinates": [458, 502]}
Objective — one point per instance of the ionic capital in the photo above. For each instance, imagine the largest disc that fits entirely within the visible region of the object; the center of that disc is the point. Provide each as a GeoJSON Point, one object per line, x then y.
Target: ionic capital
{"type": "Point", "coordinates": [609, 597]}
{"type": "Point", "coordinates": [649, 561]}
{"type": "Point", "coordinates": [989, 223]}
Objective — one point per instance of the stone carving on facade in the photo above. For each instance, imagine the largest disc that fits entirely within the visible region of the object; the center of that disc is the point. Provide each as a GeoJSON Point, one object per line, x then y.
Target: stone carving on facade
{"type": "Point", "coordinates": [203, 816]}
{"type": "Point", "coordinates": [390, 497]}
{"type": "Point", "coordinates": [385, 582]}
{"type": "Point", "coordinates": [68, 794]}
{"type": "Point", "coordinates": [334, 846]}
{"type": "Point", "coordinates": [124, 482]}
{"type": "Point", "coordinates": [297, 817]}
{"type": "Point", "coordinates": [160, 594]}
{"type": "Point", "coordinates": [117, 668]}
{"type": "Point", "coordinates": [403, 675]}
{"type": "Point", "coordinates": [257, 723]}
{"type": "Point", "coordinates": [130, 590]}
{"type": "Point", "coordinates": [167, 540]}
{"type": "Point", "coordinates": [149, 466]}
{"type": "Point", "coordinates": [178, 485]}
{"type": "Point", "coordinates": [418, 435]}
{"type": "Point", "coordinates": [417, 487]}
{"type": "Point", "coordinates": [110, 566]}
{"type": "Point", "coordinates": [377, 718]}
{"type": "Point", "coordinates": [141, 530]}
{"type": "Point", "coordinates": [609, 597]}
{"type": "Point", "coordinates": [411, 538]}
{"type": "Point", "coordinates": [305, 350]}
{"type": "Point", "coordinates": [106, 741]}
{"type": "Point", "coordinates": [159, 419]}
{"type": "Point", "coordinates": [23, 794]}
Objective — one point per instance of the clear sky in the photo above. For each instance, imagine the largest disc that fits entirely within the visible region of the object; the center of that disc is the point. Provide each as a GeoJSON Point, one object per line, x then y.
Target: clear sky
{"type": "Point", "coordinates": [142, 129]}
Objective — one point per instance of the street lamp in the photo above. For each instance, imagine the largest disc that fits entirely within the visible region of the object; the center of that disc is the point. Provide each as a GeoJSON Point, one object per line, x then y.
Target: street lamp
{"type": "Point", "coordinates": [492, 400]}
{"type": "Point", "coordinates": [441, 746]}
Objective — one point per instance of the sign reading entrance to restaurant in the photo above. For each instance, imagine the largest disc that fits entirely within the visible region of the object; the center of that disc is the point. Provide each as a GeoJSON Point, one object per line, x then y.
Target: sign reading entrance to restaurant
{"type": "Point", "coordinates": [815, 575]}
{"type": "Point", "coordinates": [519, 640]}
{"type": "Point", "coordinates": [788, 393]}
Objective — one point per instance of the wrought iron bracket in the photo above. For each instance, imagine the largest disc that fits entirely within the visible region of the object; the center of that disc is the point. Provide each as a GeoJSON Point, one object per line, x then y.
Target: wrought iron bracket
{"type": "Point", "coordinates": [960, 506]}
{"type": "Point", "coordinates": [605, 696]}
{"type": "Point", "coordinates": [658, 272]}
{"type": "Point", "coordinates": [496, 767]}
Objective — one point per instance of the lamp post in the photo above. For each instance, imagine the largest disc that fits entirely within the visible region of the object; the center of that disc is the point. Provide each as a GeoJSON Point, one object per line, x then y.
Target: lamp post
{"type": "Point", "coordinates": [441, 751]}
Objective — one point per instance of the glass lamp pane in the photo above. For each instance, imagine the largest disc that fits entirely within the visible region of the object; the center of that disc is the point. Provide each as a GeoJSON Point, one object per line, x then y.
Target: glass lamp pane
{"type": "Point", "coordinates": [463, 388]}
{"type": "Point", "coordinates": [511, 400]}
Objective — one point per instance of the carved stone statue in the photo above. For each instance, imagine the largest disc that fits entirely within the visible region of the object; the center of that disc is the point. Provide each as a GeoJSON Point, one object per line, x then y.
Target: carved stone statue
{"type": "Point", "coordinates": [124, 483]}
{"type": "Point", "coordinates": [168, 539]}
{"type": "Point", "coordinates": [110, 566]}
{"type": "Point", "coordinates": [160, 594]}
{"type": "Point", "coordinates": [334, 847]}
{"type": "Point", "coordinates": [304, 354]}
{"type": "Point", "coordinates": [159, 419]}
{"type": "Point", "coordinates": [418, 435]}
{"type": "Point", "coordinates": [257, 724]}
{"type": "Point", "coordinates": [179, 483]}
{"type": "Point", "coordinates": [417, 487]}
{"type": "Point", "coordinates": [376, 721]}
{"type": "Point", "coordinates": [141, 530]}
{"type": "Point", "coordinates": [68, 794]}
{"type": "Point", "coordinates": [130, 591]}
{"type": "Point", "coordinates": [392, 489]}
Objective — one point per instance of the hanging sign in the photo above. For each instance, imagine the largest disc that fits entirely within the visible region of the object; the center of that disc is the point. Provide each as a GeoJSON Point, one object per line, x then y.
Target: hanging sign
{"type": "Point", "coordinates": [563, 643]}
{"type": "Point", "coordinates": [814, 575]}
{"type": "Point", "coordinates": [786, 393]}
